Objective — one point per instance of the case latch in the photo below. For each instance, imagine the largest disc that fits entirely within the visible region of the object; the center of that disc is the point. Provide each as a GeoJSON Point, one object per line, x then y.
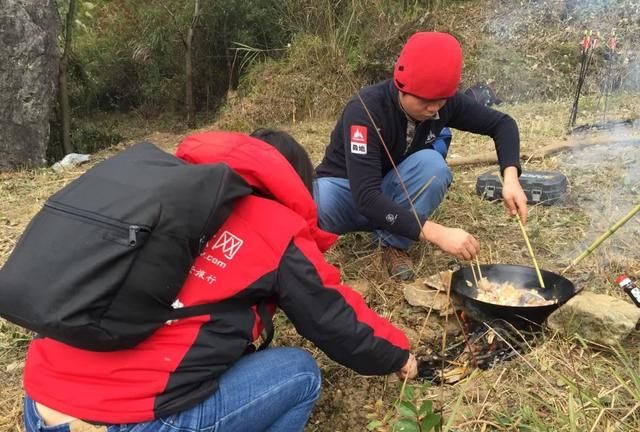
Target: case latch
{"type": "Point", "coordinates": [489, 191]}
{"type": "Point", "coordinates": [536, 195]}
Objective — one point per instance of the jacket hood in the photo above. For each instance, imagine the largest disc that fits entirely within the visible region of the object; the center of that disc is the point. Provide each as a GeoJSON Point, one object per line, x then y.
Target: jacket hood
{"type": "Point", "coordinates": [263, 167]}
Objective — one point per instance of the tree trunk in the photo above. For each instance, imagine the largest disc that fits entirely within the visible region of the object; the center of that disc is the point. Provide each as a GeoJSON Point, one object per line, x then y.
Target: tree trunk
{"type": "Point", "coordinates": [188, 43]}
{"type": "Point", "coordinates": [189, 105]}
{"type": "Point", "coordinates": [63, 91]}
{"type": "Point", "coordinates": [28, 80]}
{"type": "Point", "coordinates": [65, 108]}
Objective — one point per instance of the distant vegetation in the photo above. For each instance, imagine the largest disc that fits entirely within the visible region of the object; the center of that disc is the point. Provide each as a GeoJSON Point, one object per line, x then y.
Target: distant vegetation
{"type": "Point", "coordinates": [274, 61]}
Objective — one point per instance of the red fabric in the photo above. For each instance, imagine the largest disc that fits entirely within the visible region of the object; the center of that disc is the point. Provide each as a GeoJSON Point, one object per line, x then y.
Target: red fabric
{"type": "Point", "coordinates": [429, 66]}
{"type": "Point", "coordinates": [262, 166]}
{"type": "Point", "coordinates": [111, 387]}
{"type": "Point", "coordinates": [126, 386]}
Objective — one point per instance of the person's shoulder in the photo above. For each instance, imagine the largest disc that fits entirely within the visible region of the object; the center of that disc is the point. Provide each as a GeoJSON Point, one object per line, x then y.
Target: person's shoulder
{"type": "Point", "coordinates": [460, 98]}
{"type": "Point", "coordinates": [381, 89]}
{"type": "Point", "coordinates": [376, 97]}
{"type": "Point", "coordinates": [260, 211]}
{"type": "Point", "coordinates": [264, 225]}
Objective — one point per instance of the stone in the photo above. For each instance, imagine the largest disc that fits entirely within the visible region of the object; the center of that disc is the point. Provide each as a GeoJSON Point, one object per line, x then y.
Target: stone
{"type": "Point", "coordinates": [28, 74]}
{"type": "Point", "coordinates": [71, 160]}
{"type": "Point", "coordinates": [598, 318]}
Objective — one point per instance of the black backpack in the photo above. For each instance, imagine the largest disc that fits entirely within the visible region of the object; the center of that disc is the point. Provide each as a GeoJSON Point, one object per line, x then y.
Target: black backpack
{"type": "Point", "coordinates": [483, 94]}
{"type": "Point", "coordinates": [102, 262]}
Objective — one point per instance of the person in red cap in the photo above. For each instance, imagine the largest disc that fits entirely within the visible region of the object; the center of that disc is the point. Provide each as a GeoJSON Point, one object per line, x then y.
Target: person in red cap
{"type": "Point", "coordinates": [385, 168]}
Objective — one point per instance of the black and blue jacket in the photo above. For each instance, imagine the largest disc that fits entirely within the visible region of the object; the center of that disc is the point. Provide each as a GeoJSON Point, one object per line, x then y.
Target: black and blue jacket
{"type": "Point", "coordinates": [356, 152]}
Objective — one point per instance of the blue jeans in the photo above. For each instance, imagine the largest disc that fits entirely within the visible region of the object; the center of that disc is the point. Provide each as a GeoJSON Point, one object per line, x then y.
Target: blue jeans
{"type": "Point", "coordinates": [338, 213]}
{"type": "Point", "coordinates": [271, 390]}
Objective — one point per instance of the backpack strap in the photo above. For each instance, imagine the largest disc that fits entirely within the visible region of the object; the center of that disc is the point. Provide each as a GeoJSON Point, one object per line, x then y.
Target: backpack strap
{"type": "Point", "coordinates": [229, 306]}
{"type": "Point", "coordinates": [267, 324]}
{"type": "Point", "coordinates": [474, 93]}
{"type": "Point", "coordinates": [208, 308]}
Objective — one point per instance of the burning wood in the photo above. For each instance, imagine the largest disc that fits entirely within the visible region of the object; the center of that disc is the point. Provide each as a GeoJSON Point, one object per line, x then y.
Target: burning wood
{"type": "Point", "coordinates": [480, 346]}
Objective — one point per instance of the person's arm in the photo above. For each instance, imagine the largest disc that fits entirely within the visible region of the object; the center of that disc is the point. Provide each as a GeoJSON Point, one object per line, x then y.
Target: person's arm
{"type": "Point", "coordinates": [513, 197]}
{"type": "Point", "coordinates": [466, 114]}
{"type": "Point", "coordinates": [463, 113]}
{"type": "Point", "coordinates": [364, 171]}
{"type": "Point", "coordinates": [335, 317]}
{"type": "Point", "coordinates": [454, 241]}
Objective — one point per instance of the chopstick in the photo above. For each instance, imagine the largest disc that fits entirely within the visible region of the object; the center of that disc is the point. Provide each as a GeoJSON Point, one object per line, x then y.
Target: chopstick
{"type": "Point", "coordinates": [479, 269]}
{"type": "Point", "coordinates": [526, 239]}
{"type": "Point", "coordinates": [473, 271]}
{"type": "Point", "coordinates": [533, 257]}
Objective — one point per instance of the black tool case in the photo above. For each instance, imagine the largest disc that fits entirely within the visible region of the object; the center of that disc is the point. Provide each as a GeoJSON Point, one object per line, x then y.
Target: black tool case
{"type": "Point", "coordinates": [541, 187]}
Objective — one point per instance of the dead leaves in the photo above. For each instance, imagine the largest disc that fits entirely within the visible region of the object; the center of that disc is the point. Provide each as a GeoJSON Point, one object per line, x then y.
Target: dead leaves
{"type": "Point", "coordinates": [431, 294]}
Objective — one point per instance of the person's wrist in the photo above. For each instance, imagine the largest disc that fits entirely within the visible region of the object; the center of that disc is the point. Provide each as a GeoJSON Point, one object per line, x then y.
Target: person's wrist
{"type": "Point", "coordinates": [510, 173]}
{"type": "Point", "coordinates": [431, 232]}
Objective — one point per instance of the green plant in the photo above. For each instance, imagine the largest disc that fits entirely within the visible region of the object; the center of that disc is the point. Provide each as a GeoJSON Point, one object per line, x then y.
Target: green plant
{"type": "Point", "coordinates": [413, 413]}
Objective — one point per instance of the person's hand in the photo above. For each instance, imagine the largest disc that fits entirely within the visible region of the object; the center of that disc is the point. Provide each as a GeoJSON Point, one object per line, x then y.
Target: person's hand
{"type": "Point", "coordinates": [514, 198]}
{"type": "Point", "coordinates": [410, 368]}
{"type": "Point", "coordinates": [454, 241]}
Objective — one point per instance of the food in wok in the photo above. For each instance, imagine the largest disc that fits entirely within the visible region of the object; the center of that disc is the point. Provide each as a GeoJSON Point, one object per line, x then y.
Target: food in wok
{"type": "Point", "coordinates": [507, 294]}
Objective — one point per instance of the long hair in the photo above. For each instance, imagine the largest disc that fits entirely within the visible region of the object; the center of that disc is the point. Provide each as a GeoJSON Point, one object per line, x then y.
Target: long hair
{"type": "Point", "coordinates": [291, 150]}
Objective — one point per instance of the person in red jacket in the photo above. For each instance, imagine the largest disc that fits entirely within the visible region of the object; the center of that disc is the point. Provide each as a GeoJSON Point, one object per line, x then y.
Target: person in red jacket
{"type": "Point", "coordinates": [203, 373]}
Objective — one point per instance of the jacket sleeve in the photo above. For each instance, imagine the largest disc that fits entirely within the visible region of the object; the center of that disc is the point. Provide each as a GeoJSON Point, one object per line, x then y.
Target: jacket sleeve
{"type": "Point", "coordinates": [364, 168]}
{"type": "Point", "coordinates": [333, 316]}
{"type": "Point", "coordinates": [470, 116]}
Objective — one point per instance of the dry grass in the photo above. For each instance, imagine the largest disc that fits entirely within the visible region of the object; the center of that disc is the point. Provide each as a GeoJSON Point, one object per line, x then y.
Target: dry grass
{"type": "Point", "coordinates": [596, 390]}
{"type": "Point", "coordinates": [563, 384]}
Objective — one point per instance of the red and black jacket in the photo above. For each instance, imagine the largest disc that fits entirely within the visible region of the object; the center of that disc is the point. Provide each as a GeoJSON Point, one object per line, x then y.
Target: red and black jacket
{"type": "Point", "coordinates": [269, 249]}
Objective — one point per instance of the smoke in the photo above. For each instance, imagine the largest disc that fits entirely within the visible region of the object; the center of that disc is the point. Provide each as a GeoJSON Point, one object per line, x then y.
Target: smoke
{"type": "Point", "coordinates": [630, 72]}
{"type": "Point", "coordinates": [605, 184]}
{"type": "Point", "coordinates": [540, 43]}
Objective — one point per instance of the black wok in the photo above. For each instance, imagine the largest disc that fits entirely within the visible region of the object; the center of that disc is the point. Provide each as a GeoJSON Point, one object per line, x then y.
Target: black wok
{"type": "Point", "coordinates": [557, 288]}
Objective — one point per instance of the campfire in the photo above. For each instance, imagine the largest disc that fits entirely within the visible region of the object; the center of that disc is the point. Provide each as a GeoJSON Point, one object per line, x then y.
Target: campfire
{"type": "Point", "coordinates": [477, 345]}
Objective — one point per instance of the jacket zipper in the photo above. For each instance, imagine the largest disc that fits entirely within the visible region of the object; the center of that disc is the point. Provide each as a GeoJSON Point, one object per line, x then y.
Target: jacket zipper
{"type": "Point", "coordinates": [131, 229]}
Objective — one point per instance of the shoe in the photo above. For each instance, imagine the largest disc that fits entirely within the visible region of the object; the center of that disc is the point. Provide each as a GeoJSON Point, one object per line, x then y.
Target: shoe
{"type": "Point", "coordinates": [398, 263]}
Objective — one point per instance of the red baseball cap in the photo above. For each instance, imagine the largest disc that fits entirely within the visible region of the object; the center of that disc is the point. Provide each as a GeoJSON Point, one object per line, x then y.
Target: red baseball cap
{"type": "Point", "coordinates": [429, 66]}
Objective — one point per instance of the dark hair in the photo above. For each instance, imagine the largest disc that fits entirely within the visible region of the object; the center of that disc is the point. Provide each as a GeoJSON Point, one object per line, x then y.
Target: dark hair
{"type": "Point", "coordinates": [291, 150]}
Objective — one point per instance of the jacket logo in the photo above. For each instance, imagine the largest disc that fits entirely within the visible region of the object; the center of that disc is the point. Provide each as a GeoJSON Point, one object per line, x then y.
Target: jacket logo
{"type": "Point", "coordinates": [229, 244]}
{"type": "Point", "coordinates": [359, 139]}
{"type": "Point", "coordinates": [430, 138]}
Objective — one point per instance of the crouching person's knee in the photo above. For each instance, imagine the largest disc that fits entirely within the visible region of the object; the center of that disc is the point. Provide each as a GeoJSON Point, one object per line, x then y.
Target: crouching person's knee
{"type": "Point", "coordinates": [433, 166]}
{"type": "Point", "coordinates": [305, 370]}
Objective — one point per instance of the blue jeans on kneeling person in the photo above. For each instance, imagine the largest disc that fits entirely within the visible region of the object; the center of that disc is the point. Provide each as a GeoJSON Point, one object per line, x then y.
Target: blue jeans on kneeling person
{"type": "Point", "coordinates": [338, 213]}
{"type": "Point", "coordinates": [272, 390]}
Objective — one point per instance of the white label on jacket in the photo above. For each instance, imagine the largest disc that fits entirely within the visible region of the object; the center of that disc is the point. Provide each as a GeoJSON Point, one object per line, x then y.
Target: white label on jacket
{"type": "Point", "coordinates": [229, 244]}
{"type": "Point", "coordinates": [359, 139]}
